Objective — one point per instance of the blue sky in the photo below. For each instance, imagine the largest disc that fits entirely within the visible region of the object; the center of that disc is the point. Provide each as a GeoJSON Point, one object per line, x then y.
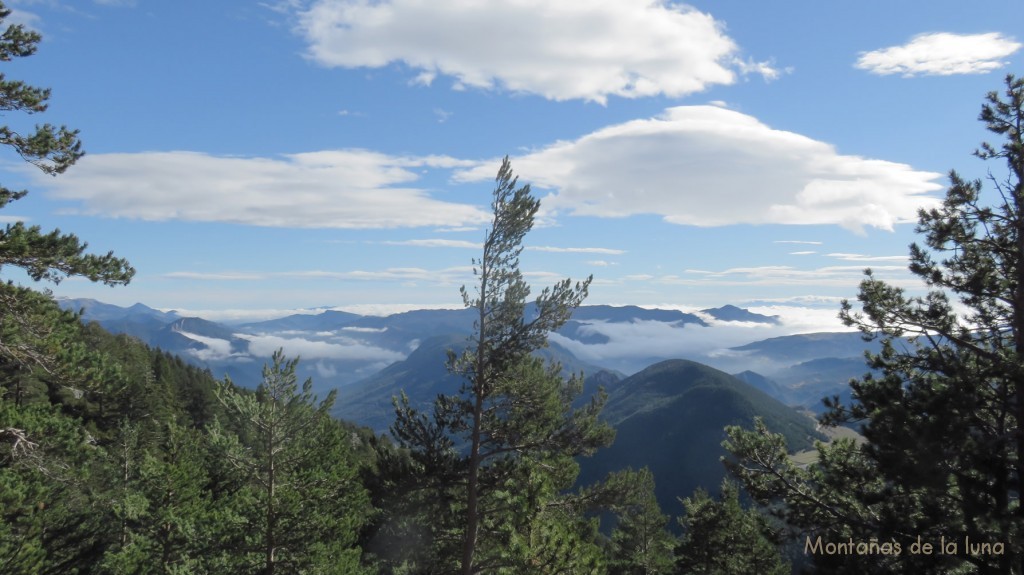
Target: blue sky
{"type": "Point", "coordinates": [255, 156]}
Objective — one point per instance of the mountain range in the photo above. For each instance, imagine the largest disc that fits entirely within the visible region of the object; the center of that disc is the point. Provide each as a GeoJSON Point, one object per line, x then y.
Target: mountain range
{"type": "Point", "coordinates": [359, 353]}
{"type": "Point", "coordinates": [670, 392]}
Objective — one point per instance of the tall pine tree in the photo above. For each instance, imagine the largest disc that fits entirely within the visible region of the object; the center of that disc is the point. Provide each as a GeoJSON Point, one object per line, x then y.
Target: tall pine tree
{"type": "Point", "coordinates": [298, 483]}
{"type": "Point", "coordinates": [500, 452]}
{"type": "Point", "coordinates": [53, 150]}
{"type": "Point", "coordinates": [944, 419]}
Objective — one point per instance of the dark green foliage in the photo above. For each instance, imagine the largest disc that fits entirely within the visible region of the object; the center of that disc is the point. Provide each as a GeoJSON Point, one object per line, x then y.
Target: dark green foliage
{"type": "Point", "coordinates": [641, 543]}
{"type": "Point", "coordinates": [296, 475]}
{"type": "Point", "coordinates": [50, 256]}
{"type": "Point", "coordinates": [49, 148]}
{"type": "Point", "coordinates": [688, 404]}
{"type": "Point", "coordinates": [105, 462]}
{"type": "Point", "coordinates": [165, 516]}
{"type": "Point", "coordinates": [491, 462]}
{"type": "Point", "coordinates": [944, 416]}
{"type": "Point", "coordinates": [721, 538]}
{"type": "Point", "coordinates": [51, 516]}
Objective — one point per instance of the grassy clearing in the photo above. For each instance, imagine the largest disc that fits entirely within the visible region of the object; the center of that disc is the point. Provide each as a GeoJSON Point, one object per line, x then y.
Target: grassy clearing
{"type": "Point", "coordinates": [808, 456]}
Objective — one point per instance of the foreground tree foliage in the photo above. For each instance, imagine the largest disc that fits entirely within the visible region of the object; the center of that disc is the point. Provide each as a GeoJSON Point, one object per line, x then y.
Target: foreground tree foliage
{"type": "Point", "coordinates": [494, 460]}
{"type": "Point", "coordinates": [31, 334]}
{"type": "Point", "coordinates": [720, 537]}
{"type": "Point", "coordinates": [300, 499]}
{"type": "Point", "coordinates": [641, 543]}
{"type": "Point", "coordinates": [944, 420]}
{"type": "Point", "coordinates": [51, 256]}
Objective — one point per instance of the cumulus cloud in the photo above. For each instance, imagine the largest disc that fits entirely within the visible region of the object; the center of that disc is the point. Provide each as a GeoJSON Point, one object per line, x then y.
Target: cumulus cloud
{"type": "Point", "coordinates": [570, 49]}
{"type": "Point", "coordinates": [708, 166]}
{"type": "Point", "coordinates": [327, 189]}
{"type": "Point", "coordinates": [941, 54]}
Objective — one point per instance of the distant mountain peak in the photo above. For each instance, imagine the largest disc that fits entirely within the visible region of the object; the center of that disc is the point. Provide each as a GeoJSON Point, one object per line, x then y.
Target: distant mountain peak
{"type": "Point", "coordinates": [730, 312]}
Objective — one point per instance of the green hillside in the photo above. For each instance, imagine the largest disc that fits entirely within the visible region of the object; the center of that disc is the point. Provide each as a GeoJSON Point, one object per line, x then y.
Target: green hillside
{"type": "Point", "coordinates": [670, 417]}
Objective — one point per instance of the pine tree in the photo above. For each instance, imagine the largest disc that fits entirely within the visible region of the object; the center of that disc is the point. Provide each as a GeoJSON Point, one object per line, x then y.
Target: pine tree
{"type": "Point", "coordinates": [299, 487]}
{"type": "Point", "coordinates": [34, 336]}
{"type": "Point", "coordinates": [641, 544]}
{"type": "Point", "coordinates": [161, 504]}
{"type": "Point", "coordinates": [502, 449]}
{"type": "Point", "coordinates": [722, 538]}
{"type": "Point", "coordinates": [944, 419]}
{"type": "Point", "coordinates": [53, 150]}
{"type": "Point", "coordinates": [50, 518]}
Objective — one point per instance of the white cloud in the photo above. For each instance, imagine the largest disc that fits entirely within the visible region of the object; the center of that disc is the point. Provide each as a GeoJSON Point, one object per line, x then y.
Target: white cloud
{"type": "Point", "coordinates": [325, 370]}
{"type": "Point", "coordinates": [222, 276]}
{"type": "Point", "coordinates": [797, 242]}
{"type": "Point", "coordinates": [765, 69]}
{"type": "Point", "coordinates": [863, 258]}
{"type": "Point", "coordinates": [266, 345]}
{"type": "Point", "coordinates": [606, 251]}
{"type": "Point", "coordinates": [442, 276]}
{"type": "Point", "coordinates": [840, 276]}
{"type": "Point", "coordinates": [442, 115]}
{"type": "Point", "coordinates": [804, 253]}
{"type": "Point", "coordinates": [216, 348]}
{"type": "Point", "coordinates": [327, 189]}
{"type": "Point", "coordinates": [631, 345]}
{"type": "Point", "coordinates": [799, 302]}
{"type": "Point", "coordinates": [941, 54]}
{"type": "Point", "coordinates": [232, 315]}
{"type": "Point", "coordinates": [806, 318]}
{"type": "Point", "coordinates": [707, 166]}
{"type": "Point", "coordinates": [570, 49]}
{"type": "Point", "coordinates": [29, 20]}
{"type": "Point", "coordinates": [282, 6]}
{"type": "Point", "coordinates": [364, 329]}
{"type": "Point", "coordinates": [845, 277]}
{"type": "Point", "coordinates": [386, 309]}
{"type": "Point", "coordinates": [235, 315]}
{"type": "Point", "coordinates": [435, 243]}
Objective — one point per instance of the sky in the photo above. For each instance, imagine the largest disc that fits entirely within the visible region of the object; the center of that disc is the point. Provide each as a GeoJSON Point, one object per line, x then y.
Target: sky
{"type": "Point", "coordinates": [250, 158]}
